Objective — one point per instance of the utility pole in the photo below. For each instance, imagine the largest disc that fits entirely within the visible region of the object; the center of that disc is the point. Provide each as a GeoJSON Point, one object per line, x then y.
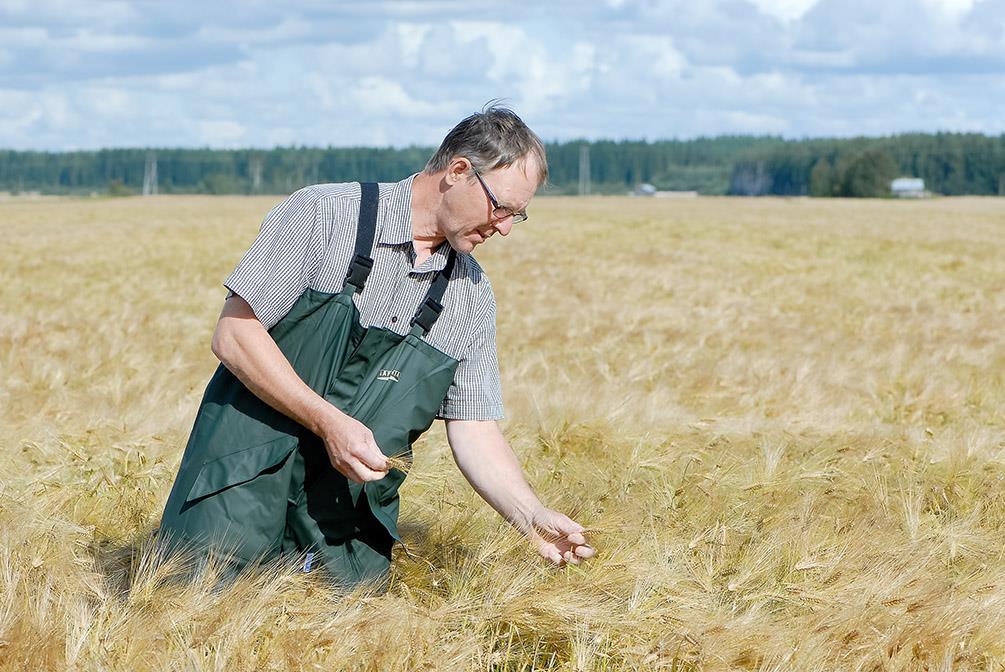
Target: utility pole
{"type": "Point", "coordinates": [256, 173]}
{"type": "Point", "coordinates": [584, 169]}
{"type": "Point", "coordinates": [150, 175]}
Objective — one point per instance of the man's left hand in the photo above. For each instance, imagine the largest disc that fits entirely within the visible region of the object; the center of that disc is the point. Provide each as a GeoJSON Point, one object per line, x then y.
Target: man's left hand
{"type": "Point", "coordinates": [559, 538]}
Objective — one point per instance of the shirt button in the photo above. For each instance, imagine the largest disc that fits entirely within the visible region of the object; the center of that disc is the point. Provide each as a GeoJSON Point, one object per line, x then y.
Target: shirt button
{"type": "Point", "coordinates": [394, 319]}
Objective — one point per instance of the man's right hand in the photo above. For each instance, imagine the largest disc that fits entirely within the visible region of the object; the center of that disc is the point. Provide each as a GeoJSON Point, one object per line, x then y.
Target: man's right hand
{"type": "Point", "coordinates": [352, 449]}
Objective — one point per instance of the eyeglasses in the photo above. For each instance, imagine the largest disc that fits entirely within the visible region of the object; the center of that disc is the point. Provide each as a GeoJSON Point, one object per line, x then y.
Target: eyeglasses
{"type": "Point", "coordinates": [500, 212]}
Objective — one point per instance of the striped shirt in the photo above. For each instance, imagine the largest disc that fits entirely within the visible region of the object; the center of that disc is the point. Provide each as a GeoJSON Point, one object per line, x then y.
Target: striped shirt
{"type": "Point", "coordinates": [307, 241]}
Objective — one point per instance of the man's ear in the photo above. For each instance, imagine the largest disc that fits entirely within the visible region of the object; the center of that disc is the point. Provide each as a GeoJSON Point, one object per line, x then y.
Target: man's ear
{"type": "Point", "coordinates": [458, 170]}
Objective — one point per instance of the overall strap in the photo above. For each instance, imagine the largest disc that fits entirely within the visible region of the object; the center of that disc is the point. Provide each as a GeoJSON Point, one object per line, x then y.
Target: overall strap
{"type": "Point", "coordinates": [431, 307]}
{"type": "Point", "coordinates": [362, 262]}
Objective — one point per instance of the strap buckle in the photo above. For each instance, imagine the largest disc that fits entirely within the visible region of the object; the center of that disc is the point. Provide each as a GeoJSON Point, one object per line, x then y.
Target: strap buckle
{"type": "Point", "coordinates": [359, 271]}
{"type": "Point", "coordinates": [427, 313]}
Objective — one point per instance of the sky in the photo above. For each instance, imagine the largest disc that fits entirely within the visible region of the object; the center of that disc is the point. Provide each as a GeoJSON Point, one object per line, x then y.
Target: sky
{"type": "Point", "coordinates": [113, 73]}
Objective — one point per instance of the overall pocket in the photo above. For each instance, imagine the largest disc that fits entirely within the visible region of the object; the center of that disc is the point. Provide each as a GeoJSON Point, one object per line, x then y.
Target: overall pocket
{"type": "Point", "coordinates": [240, 466]}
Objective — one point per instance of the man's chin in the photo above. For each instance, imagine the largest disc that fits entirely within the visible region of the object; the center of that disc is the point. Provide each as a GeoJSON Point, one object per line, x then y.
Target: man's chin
{"type": "Point", "coordinates": [464, 246]}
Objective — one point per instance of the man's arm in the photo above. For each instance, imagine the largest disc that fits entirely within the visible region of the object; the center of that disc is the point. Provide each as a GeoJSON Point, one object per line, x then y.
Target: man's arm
{"type": "Point", "coordinates": [243, 345]}
{"type": "Point", "coordinates": [485, 458]}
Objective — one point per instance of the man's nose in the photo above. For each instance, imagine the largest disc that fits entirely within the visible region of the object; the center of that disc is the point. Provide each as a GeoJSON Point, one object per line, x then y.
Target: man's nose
{"type": "Point", "coordinates": [504, 226]}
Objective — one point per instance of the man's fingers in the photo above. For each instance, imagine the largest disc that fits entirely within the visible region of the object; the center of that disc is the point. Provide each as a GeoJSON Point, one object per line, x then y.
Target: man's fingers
{"type": "Point", "coordinates": [564, 540]}
{"type": "Point", "coordinates": [365, 473]}
{"type": "Point", "coordinates": [372, 457]}
{"type": "Point", "coordinates": [376, 463]}
{"type": "Point", "coordinates": [358, 472]}
{"type": "Point", "coordinates": [560, 525]}
{"type": "Point", "coordinates": [366, 458]}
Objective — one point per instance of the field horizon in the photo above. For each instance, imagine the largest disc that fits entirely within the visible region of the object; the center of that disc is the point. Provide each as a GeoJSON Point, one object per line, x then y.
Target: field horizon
{"type": "Point", "coordinates": [783, 420]}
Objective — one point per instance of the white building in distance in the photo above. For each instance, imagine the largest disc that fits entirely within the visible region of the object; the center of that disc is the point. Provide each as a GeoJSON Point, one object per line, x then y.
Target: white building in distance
{"type": "Point", "coordinates": [646, 189]}
{"type": "Point", "coordinates": [908, 187]}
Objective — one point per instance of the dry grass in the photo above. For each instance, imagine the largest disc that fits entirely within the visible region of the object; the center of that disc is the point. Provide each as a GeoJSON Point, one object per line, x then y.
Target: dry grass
{"type": "Point", "coordinates": [783, 420]}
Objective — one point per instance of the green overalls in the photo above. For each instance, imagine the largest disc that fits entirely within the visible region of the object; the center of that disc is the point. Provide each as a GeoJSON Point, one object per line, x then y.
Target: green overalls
{"type": "Point", "coordinates": [254, 484]}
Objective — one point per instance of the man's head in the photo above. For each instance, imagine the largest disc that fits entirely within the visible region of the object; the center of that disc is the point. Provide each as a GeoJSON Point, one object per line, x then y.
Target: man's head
{"type": "Point", "coordinates": [491, 165]}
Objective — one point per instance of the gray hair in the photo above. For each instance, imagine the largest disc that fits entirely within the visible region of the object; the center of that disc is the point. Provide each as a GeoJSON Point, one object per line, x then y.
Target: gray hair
{"type": "Point", "coordinates": [493, 138]}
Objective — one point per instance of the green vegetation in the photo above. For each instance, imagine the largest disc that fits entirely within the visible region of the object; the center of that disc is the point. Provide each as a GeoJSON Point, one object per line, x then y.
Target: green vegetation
{"type": "Point", "coordinates": [950, 164]}
{"type": "Point", "coordinates": [953, 164]}
{"type": "Point", "coordinates": [865, 174]}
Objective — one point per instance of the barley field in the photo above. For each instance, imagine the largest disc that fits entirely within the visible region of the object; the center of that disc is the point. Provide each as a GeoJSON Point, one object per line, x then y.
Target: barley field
{"type": "Point", "coordinates": [782, 419]}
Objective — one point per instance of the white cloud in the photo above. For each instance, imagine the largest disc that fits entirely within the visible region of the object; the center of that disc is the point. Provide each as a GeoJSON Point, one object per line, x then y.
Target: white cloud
{"type": "Point", "coordinates": [525, 67]}
{"type": "Point", "coordinates": [509, 46]}
{"type": "Point", "coordinates": [286, 30]}
{"type": "Point", "coordinates": [221, 132]}
{"type": "Point", "coordinates": [13, 38]}
{"type": "Point", "coordinates": [953, 8]}
{"type": "Point", "coordinates": [71, 11]}
{"type": "Point", "coordinates": [380, 95]}
{"type": "Point", "coordinates": [323, 91]}
{"type": "Point", "coordinates": [399, 73]}
{"type": "Point", "coordinates": [785, 10]}
{"type": "Point", "coordinates": [411, 37]}
{"type": "Point", "coordinates": [110, 102]}
{"type": "Point", "coordinates": [748, 122]}
{"type": "Point", "coordinates": [86, 40]}
{"type": "Point", "coordinates": [19, 111]}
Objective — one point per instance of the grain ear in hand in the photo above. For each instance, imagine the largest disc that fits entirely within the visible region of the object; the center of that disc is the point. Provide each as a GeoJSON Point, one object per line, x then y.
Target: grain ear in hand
{"type": "Point", "coordinates": [402, 462]}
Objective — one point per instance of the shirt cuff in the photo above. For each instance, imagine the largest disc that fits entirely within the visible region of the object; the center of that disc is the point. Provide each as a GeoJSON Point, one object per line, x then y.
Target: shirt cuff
{"type": "Point", "coordinates": [457, 411]}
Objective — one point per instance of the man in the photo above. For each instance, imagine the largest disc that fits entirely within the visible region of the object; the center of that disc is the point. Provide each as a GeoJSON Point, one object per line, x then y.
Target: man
{"type": "Point", "coordinates": [324, 375]}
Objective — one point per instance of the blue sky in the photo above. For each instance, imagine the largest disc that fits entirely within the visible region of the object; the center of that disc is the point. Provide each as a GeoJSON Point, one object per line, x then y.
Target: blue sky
{"type": "Point", "coordinates": [89, 74]}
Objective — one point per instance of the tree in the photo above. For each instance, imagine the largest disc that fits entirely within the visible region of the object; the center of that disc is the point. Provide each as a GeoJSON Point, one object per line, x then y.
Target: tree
{"type": "Point", "coordinates": [822, 178]}
{"type": "Point", "coordinates": [116, 188]}
{"type": "Point", "coordinates": [866, 174]}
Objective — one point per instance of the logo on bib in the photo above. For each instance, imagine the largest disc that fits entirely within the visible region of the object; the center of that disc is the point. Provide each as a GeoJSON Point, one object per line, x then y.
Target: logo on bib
{"type": "Point", "coordinates": [389, 374]}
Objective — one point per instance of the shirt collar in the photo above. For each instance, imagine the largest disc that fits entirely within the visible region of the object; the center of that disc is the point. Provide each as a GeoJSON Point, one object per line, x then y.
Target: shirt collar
{"type": "Point", "coordinates": [397, 225]}
{"type": "Point", "coordinates": [396, 228]}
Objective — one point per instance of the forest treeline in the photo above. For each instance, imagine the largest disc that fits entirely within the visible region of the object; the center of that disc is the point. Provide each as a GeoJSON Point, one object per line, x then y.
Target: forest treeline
{"type": "Point", "coordinates": [949, 163]}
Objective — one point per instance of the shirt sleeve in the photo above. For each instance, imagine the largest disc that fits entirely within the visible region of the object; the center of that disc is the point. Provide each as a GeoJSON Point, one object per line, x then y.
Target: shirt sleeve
{"type": "Point", "coordinates": [283, 260]}
{"type": "Point", "coordinates": [476, 393]}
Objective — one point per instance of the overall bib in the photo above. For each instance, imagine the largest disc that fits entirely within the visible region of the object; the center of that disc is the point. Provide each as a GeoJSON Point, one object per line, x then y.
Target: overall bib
{"type": "Point", "coordinates": [254, 484]}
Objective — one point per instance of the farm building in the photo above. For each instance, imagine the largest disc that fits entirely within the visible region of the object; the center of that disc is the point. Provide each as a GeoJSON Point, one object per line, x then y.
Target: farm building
{"type": "Point", "coordinates": [646, 189]}
{"type": "Point", "coordinates": [908, 187]}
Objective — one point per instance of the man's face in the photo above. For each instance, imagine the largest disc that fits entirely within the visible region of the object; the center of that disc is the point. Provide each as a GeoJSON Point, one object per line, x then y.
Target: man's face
{"type": "Point", "coordinates": [472, 219]}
